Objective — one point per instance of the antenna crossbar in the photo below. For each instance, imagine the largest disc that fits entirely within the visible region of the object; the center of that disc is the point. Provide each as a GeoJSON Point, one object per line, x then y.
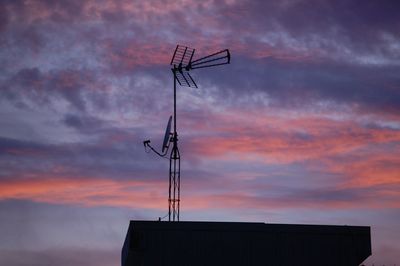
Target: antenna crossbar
{"type": "Point", "coordinates": [182, 56]}
{"type": "Point", "coordinates": [218, 64]}
{"type": "Point", "coordinates": [185, 79]}
{"type": "Point", "coordinates": [221, 58]}
{"type": "Point", "coordinates": [208, 61]}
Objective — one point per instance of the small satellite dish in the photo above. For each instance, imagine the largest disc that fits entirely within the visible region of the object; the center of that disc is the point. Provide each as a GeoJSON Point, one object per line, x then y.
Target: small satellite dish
{"type": "Point", "coordinates": [167, 133]}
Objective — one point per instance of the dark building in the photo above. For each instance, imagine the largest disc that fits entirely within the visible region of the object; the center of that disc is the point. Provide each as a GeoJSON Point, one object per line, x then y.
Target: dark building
{"type": "Point", "coordinates": [152, 243]}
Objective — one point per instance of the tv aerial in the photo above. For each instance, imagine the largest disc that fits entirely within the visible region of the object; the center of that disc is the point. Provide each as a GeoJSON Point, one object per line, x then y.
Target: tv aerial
{"type": "Point", "coordinates": [182, 62]}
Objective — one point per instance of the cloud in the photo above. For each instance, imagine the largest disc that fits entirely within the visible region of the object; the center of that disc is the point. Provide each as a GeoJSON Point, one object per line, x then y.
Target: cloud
{"type": "Point", "coordinates": [115, 159]}
{"type": "Point", "coordinates": [284, 59]}
{"type": "Point", "coordinates": [91, 192]}
{"type": "Point", "coordinates": [288, 84]}
{"type": "Point", "coordinates": [86, 192]}
{"type": "Point", "coordinates": [42, 87]}
{"type": "Point", "coordinates": [116, 155]}
{"type": "Point", "coordinates": [305, 118]}
{"type": "Point", "coordinates": [286, 139]}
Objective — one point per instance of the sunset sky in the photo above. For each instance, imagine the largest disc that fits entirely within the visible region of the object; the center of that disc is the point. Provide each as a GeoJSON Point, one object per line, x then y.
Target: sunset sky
{"type": "Point", "coordinates": [302, 127]}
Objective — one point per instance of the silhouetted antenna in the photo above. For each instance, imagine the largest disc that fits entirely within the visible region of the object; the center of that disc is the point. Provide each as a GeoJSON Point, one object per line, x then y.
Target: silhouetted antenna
{"type": "Point", "coordinates": [166, 142]}
{"type": "Point", "coordinates": [165, 145]}
{"type": "Point", "coordinates": [182, 62]}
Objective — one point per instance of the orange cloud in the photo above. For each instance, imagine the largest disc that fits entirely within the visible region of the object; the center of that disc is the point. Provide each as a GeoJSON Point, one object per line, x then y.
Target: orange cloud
{"type": "Point", "coordinates": [364, 159]}
{"type": "Point", "coordinates": [370, 170]}
{"type": "Point", "coordinates": [361, 158]}
{"type": "Point", "coordinates": [87, 192]}
{"type": "Point", "coordinates": [153, 195]}
{"type": "Point", "coordinates": [285, 140]}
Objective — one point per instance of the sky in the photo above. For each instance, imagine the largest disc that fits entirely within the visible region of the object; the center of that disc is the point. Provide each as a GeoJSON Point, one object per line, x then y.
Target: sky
{"type": "Point", "coordinates": [303, 127]}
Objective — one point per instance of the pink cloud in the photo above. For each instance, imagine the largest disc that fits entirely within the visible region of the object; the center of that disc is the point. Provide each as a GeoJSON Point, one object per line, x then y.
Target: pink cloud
{"type": "Point", "coordinates": [286, 139]}
{"type": "Point", "coordinates": [86, 192]}
{"type": "Point", "coordinates": [371, 168]}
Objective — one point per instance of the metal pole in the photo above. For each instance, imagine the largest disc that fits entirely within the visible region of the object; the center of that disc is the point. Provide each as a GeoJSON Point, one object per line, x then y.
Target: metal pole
{"type": "Point", "coordinates": [174, 169]}
{"type": "Point", "coordinates": [179, 183]}
{"type": "Point", "coordinates": [174, 173]}
{"type": "Point", "coordinates": [169, 190]}
{"type": "Point", "coordinates": [174, 106]}
{"type": "Point", "coordinates": [175, 146]}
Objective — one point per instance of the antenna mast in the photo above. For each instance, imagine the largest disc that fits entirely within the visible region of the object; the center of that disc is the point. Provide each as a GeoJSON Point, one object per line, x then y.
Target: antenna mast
{"type": "Point", "coordinates": [182, 63]}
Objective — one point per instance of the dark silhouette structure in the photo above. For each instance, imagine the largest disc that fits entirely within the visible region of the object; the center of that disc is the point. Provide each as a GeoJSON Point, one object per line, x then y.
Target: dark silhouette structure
{"type": "Point", "coordinates": [182, 62]}
{"type": "Point", "coordinates": [151, 243]}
